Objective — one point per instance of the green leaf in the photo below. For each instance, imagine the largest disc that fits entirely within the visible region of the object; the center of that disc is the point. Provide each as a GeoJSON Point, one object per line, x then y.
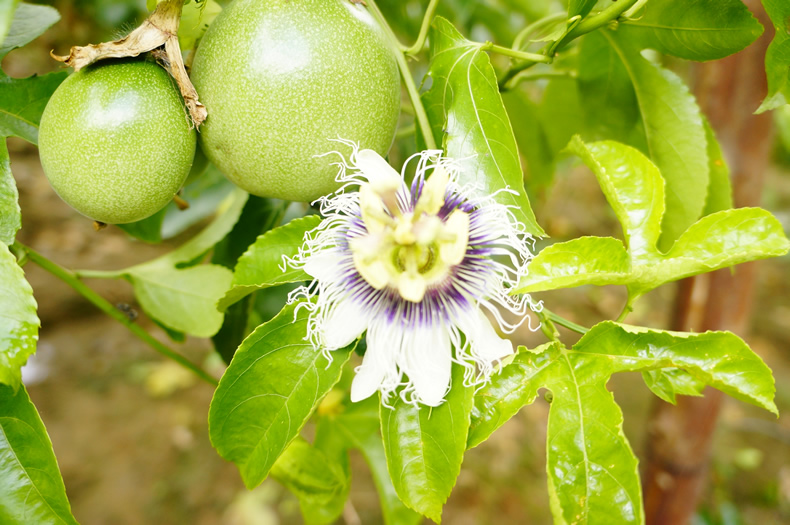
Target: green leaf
{"type": "Point", "coordinates": [195, 19]}
{"type": "Point", "coordinates": [675, 137]}
{"type": "Point", "coordinates": [634, 189]}
{"type": "Point", "coordinates": [318, 482]}
{"type": "Point", "coordinates": [260, 266]}
{"type": "Point", "coordinates": [10, 214]}
{"type": "Point", "coordinates": [668, 383]}
{"type": "Point", "coordinates": [182, 299]}
{"type": "Point", "coordinates": [268, 392]}
{"type": "Point", "coordinates": [7, 8]}
{"type": "Point", "coordinates": [22, 101]}
{"type": "Point", "coordinates": [586, 260]}
{"type": "Point", "coordinates": [359, 424]}
{"type": "Point", "coordinates": [31, 488]}
{"type": "Point", "coordinates": [18, 320]}
{"type": "Point", "coordinates": [531, 139]}
{"type": "Point", "coordinates": [580, 7]}
{"type": "Point", "coordinates": [719, 188]}
{"type": "Point", "coordinates": [719, 359]}
{"type": "Point", "coordinates": [515, 386]}
{"type": "Point", "coordinates": [777, 57]}
{"type": "Point", "coordinates": [700, 30]}
{"type": "Point", "coordinates": [610, 108]}
{"type": "Point", "coordinates": [724, 239]}
{"type": "Point", "coordinates": [29, 22]}
{"type": "Point", "coordinates": [559, 112]}
{"type": "Point", "coordinates": [259, 215]}
{"type": "Point", "coordinates": [425, 446]}
{"type": "Point", "coordinates": [592, 470]}
{"type": "Point", "coordinates": [468, 117]}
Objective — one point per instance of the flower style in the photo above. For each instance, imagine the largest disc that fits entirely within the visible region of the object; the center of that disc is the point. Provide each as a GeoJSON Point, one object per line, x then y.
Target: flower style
{"type": "Point", "coordinates": [416, 266]}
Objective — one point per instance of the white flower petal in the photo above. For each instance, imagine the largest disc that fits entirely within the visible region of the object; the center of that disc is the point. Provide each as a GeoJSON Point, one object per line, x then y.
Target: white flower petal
{"type": "Point", "coordinates": [483, 339]}
{"type": "Point", "coordinates": [381, 175]}
{"type": "Point", "coordinates": [344, 322]}
{"type": "Point", "coordinates": [426, 358]}
{"type": "Point", "coordinates": [378, 366]}
{"type": "Point", "coordinates": [323, 265]}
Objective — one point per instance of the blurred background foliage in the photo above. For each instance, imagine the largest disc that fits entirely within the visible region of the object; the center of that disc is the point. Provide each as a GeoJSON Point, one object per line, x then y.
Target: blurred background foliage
{"type": "Point", "coordinates": [129, 430]}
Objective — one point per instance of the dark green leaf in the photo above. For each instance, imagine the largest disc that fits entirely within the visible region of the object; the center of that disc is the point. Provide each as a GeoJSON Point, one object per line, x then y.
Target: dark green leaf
{"type": "Point", "coordinates": [29, 22]}
{"type": "Point", "coordinates": [634, 189]}
{"type": "Point", "coordinates": [559, 112]}
{"type": "Point", "coordinates": [359, 424]}
{"type": "Point", "coordinates": [585, 260]}
{"type": "Point", "coordinates": [234, 328]}
{"type": "Point", "coordinates": [18, 320]}
{"type": "Point", "coordinates": [468, 117]}
{"type": "Point", "coordinates": [610, 108]}
{"type": "Point", "coordinates": [31, 489]}
{"type": "Point", "coordinates": [319, 483]}
{"type": "Point", "coordinates": [777, 58]}
{"type": "Point", "coordinates": [261, 265]}
{"type": "Point", "coordinates": [22, 101]}
{"type": "Point", "coordinates": [531, 138]}
{"type": "Point", "coordinates": [10, 214]}
{"type": "Point", "coordinates": [675, 137]}
{"type": "Point", "coordinates": [580, 7]}
{"type": "Point", "coordinates": [700, 30]}
{"type": "Point", "coordinates": [514, 387]}
{"type": "Point", "coordinates": [268, 392]}
{"type": "Point", "coordinates": [720, 188]}
{"type": "Point", "coordinates": [425, 446]}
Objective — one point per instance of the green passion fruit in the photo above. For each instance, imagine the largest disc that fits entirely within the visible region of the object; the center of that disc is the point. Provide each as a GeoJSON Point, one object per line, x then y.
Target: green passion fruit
{"type": "Point", "coordinates": [282, 78]}
{"type": "Point", "coordinates": [116, 142]}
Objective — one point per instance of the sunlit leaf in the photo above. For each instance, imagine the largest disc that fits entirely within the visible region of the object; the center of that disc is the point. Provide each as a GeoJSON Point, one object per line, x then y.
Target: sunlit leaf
{"type": "Point", "coordinates": [585, 260]}
{"type": "Point", "coordinates": [468, 117]}
{"type": "Point", "coordinates": [700, 30]}
{"type": "Point", "coordinates": [268, 392]}
{"type": "Point", "coordinates": [31, 488]}
{"type": "Point", "coordinates": [7, 8]}
{"type": "Point", "coordinates": [634, 189]}
{"type": "Point", "coordinates": [10, 214]}
{"type": "Point", "coordinates": [425, 446]}
{"type": "Point", "coordinates": [720, 187]}
{"type": "Point", "coordinates": [668, 383]}
{"type": "Point", "coordinates": [18, 320]}
{"type": "Point", "coordinates": [261, 266]}
{"type": "Point", "coordinates": [675, 137]}
{"type": "Point", "coordinates": [777, 57]}
{"type": "Point", "coordinates": [183, 299]}
{"type": "Point", "coordinates": [30, 21]}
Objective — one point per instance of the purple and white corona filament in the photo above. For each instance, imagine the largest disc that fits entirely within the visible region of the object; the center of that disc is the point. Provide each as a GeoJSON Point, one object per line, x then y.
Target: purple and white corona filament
{"type": "Point", "coordinates": [416, 267]}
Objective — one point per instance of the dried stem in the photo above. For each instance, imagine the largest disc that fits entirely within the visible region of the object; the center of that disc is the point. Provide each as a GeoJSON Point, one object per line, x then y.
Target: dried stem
{"type": "Point", "coordinates": [159, 29]}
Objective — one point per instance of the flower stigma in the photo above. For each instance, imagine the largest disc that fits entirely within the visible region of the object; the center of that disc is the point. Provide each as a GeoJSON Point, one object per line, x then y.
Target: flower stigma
{"type": "Point", "coordinates": [417, 268]}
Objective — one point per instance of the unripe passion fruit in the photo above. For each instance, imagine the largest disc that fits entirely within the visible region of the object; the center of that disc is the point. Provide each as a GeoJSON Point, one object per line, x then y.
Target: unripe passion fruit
{"type": "Point", "coordinates": [115, 141]}
{"type": "Point", "coordinates": [280, 78]}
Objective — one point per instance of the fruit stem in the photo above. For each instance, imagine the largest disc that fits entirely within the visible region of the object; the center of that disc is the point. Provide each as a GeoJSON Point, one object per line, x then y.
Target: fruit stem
{"type": "Point", "coordinates": [570, 325]}
{"type": "Point", "coordinates": [423, 34]}
{"type": "Point", "coordinates": [102, 304]}
{"type": "Point", "coordinates": [408, 80]}
{"type": "Point", "coordinates": [159, 29]}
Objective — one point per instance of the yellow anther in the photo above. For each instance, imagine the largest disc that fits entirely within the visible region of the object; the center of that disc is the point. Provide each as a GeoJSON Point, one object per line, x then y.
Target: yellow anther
{"type": "Point", "coordinates": [455, 237]}
{"type": "Point", "coordinates": [432, 197]}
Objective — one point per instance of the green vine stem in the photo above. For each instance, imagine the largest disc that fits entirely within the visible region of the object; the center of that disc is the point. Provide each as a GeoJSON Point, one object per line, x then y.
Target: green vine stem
{"type": "Point", "coordinates": [611, 13]}
{"type": "Point", "coordinates": [426, 24]}
{"type": "Point", "coordinates": [628, 308]}
{"type": "Point", "coordinates": [570, 325]}
{"type": "Point", "coordinates": [102, 304]}
{"type": "Point", "coordinates": [547, 326]}
{"type": "Point", "coordinates": [514, 53]}
{"type": "Point", "coordinates": [408, 80]}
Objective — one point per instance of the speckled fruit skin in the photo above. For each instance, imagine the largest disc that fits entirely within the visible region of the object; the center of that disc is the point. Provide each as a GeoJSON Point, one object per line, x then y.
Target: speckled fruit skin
{"type": "Point", "coordinates": [280, 78]}
{"type": "Point", "coordinates": [115, 141]}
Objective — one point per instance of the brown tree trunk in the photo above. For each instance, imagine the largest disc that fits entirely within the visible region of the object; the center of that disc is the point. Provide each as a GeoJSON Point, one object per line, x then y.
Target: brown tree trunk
{"type": "Point", "coordinates": [679, 437]}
